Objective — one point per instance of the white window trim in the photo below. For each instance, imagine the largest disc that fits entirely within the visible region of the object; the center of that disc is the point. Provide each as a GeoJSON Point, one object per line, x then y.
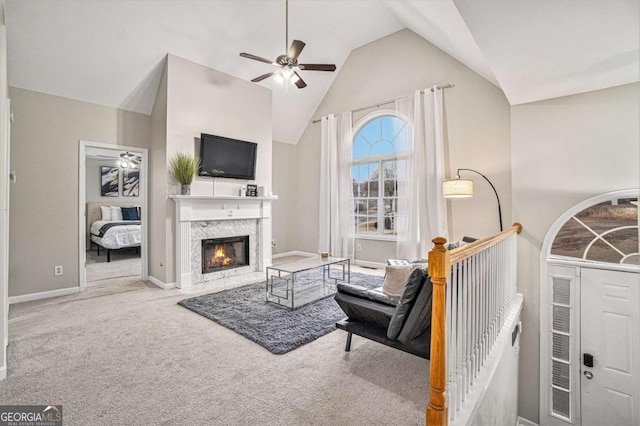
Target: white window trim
{"type": "Point", "coordinates": [377, 159]}
{"type": "Point", "coordinates": [376, 237]}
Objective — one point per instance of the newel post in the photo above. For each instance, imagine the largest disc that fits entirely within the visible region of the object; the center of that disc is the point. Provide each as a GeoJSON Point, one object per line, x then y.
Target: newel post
{"type": "Point", "coordinates": [439, 267]}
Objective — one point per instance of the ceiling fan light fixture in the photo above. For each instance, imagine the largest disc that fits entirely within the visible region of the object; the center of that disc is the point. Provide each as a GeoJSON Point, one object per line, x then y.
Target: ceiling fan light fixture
{"type": "Point", "coordinates": [286, 73]}
{"type": "Point", "coordinates": [288, 63]}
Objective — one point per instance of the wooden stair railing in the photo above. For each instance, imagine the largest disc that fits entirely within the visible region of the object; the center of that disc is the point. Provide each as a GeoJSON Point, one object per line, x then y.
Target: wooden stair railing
{"type": "Point", "coordinates": [440, 261]}
{"type": "Point", "coordinates": [439, 267]}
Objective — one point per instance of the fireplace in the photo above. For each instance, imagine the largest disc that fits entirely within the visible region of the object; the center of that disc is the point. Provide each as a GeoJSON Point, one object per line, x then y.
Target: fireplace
{"type": "Point", "coordinates": [219, 254]}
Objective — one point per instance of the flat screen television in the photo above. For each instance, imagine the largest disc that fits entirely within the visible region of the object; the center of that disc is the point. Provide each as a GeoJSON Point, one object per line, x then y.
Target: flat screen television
{"type": "Point", "coordinates": [226, 157]}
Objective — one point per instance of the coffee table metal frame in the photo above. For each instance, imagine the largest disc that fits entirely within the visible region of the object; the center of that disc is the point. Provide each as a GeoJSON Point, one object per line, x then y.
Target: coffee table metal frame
{"type": "Point", "coordinates": [323, 289]}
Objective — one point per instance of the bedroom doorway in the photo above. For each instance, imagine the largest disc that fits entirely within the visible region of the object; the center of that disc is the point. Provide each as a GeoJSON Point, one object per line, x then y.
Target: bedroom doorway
{"type": "Point", "coordinates": [112, 210]}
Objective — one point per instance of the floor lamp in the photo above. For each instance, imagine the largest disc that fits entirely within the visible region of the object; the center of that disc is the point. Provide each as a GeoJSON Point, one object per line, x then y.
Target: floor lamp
{"type": "Point", "coordinates": [463, 188]}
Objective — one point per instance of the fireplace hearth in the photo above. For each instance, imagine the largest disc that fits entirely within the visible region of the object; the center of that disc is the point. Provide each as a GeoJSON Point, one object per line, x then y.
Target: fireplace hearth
{"type": "Point", "coordinates": [219, 254]}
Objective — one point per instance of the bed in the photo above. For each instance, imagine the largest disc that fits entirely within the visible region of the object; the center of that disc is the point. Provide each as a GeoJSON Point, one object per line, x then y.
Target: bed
{"type": "Point", "coordinates": [113, 233]}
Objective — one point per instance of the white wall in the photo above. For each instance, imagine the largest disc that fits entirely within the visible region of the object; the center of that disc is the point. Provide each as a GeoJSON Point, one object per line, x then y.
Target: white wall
{"type": "Point", "coordinates": [286, 187]}
{"type": "Point", "coordinates": [477, 121]}
{"type": "Point", "coordinates": [45, 139]}
{"type": "Point", "coordinates": [564, 151]}
{"type": "Point", "coordinates": [498, 404]}
{"type": "Point", "coordinates": [158, 247]}
{"type": "Point", "coordinates": [203, 100]}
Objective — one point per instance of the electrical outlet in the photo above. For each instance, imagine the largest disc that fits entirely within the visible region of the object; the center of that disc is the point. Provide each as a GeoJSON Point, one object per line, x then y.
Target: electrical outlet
{"type": "Point", "coordinates": [57, 270]}
{"type": "Point", "coordinates": [359, 247]}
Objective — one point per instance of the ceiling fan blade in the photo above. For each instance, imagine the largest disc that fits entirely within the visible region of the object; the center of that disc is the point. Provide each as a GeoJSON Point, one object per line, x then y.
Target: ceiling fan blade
{"type": "Point", "coordinates": [295, 49]}
{"type": "Point", "coordinates": [255, 58]}
{"type": "Point", "coordinates": [263, 76]}
{"type": "Point", "coordinates": [299, 82]}
{"type": "Point", "coordinates": [317, 67]}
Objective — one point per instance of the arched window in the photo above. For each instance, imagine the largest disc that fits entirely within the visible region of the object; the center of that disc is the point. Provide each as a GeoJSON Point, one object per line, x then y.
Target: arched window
{"type": "Point", "coordinates": [605, 232]}
{"type": "Point", "coordinates": [378, 170]}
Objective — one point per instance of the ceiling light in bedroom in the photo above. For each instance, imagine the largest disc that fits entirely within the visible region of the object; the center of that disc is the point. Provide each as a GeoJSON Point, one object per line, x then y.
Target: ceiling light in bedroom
{"type": "Point", "coordinates": [129, 160]}
{"type": "Point", "coordinates": [463, 188]}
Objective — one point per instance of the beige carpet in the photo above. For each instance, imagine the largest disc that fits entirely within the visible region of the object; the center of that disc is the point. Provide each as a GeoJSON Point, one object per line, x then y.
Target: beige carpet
{"type": "Point", "coordinates": [124, 263]}
{"type": "Point", "coordinates": [124, 353]}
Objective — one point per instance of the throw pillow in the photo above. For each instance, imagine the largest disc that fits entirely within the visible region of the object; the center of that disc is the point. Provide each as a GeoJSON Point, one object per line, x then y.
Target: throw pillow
{"type": "Point", "coordinates": [396, 278]}
{"type": "Point", "coordinates": [419, 319]}
{"type": "Point", "coordinates": [411, 290]}
{"type": "Point", "coordinates": [105, 212]}
{"type": "Point", "coordinates": [130, 213]}
{"type": "Point", "coordinates": [116, 214]}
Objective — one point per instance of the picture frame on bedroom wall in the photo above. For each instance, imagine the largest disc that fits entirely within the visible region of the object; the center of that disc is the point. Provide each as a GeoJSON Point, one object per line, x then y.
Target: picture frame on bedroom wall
{"type": "Point", "coordinates": [131, 183]}
{"type": "Point", "coordinates": [109, 181]}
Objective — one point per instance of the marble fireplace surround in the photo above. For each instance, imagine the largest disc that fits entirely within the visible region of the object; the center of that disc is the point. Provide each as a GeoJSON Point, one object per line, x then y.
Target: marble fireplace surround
{"type": "Point", "coordinates": [200, 217]}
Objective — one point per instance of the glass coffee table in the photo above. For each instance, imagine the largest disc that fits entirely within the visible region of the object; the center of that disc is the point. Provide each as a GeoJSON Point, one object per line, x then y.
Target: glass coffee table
{"type": "Point", "coordinates": [288, 286]}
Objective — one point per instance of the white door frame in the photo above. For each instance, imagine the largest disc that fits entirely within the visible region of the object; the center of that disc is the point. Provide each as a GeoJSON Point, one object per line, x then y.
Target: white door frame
{"type": "Point", "coordinates": [5, 138]}
{"type": "Point", "coordinates": [545, 261]}
{"type": "Point", "coordinates": [82, 219]}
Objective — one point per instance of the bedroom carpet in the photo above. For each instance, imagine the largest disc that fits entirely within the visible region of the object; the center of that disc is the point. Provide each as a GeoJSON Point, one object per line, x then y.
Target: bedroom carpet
{"type": "Point", "coordinates": [274, 327]}
{"type": "Point", "coordinates": [125, 263]}
{"type": "Point", "coordinates": [128, 354]}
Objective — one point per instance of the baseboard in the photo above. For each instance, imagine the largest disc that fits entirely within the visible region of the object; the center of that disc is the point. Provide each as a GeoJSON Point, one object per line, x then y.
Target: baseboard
{"type": "Point", "coordinates": [293, 253]}
{"type": "Point", "coordinates": [3, 372]}
{"type": "Point", "coordinates": [161, 284]}
{"type": "Point", "coordinates": [367, 264]}
{"type": "Point", "coordinates": [524, 422]}
{"type": "Point", "coordinates": [43, 295]}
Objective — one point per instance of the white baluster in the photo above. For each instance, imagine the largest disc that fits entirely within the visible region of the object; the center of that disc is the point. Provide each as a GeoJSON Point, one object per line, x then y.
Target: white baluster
{"type": "Point", "coordinates": [467, 326]}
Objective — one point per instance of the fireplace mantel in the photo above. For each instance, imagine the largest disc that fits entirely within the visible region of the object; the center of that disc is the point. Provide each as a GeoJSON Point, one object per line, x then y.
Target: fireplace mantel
{"type": "Point", "coordinates": [196, 208]}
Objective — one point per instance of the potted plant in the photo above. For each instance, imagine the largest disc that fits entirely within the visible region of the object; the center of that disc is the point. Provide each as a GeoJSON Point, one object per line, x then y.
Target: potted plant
{"type": "Point", "coordinates": [183, 169]}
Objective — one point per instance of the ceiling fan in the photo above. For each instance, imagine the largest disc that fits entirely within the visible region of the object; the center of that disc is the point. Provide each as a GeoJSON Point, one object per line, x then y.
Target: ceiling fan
{"type": "Point", "coordinates": [129, 160]}
{"type": "Point", "coordinates": [288, 64]}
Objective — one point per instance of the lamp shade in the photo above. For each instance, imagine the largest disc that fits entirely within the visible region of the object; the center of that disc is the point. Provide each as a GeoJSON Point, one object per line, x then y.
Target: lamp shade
{"type": "Point", "coordinates": [457, 188]}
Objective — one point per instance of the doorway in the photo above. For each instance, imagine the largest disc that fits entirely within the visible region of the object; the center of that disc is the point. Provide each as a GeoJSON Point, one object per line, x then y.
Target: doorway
{"type": "Point", "coordinates": [112, 208]}
{"type": "Point", "coordinates": [589, 314]}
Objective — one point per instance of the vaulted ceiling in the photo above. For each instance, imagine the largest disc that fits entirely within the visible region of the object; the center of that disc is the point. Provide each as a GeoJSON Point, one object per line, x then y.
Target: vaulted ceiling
{"type": "Point", "coordinates": [112, 52]}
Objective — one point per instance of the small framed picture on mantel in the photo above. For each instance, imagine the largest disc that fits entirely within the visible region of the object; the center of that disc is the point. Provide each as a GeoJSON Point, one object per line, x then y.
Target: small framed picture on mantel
{"type": "Point", "coordinates": [252, 190]}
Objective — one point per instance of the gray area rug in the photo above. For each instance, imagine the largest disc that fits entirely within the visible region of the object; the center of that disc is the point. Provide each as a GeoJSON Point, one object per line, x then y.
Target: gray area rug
{"type": "Point", "coordinates": [274, 327]}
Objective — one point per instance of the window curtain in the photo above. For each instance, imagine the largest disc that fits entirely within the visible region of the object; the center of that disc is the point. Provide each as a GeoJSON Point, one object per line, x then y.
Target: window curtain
{"type": "Point", "coordinates": [336, 228]}
{"type": "Point", "coordinates": [422, 212]}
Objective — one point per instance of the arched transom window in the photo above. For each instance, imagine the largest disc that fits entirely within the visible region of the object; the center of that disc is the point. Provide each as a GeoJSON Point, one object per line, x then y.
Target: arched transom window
{"type": "Point", "coordinates": [378, 169]}
{"type": "Point", "coordinates": [606, 232]}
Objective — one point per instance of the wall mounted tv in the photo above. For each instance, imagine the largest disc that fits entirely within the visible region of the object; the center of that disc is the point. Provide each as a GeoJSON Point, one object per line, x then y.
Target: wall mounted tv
{"type": "Point", "coordinates": [226, 157]}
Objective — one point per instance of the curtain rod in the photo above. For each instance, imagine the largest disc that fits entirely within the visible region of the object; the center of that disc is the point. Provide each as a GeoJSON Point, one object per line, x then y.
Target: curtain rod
{"type": "Point", "coordinates": [390, 101]}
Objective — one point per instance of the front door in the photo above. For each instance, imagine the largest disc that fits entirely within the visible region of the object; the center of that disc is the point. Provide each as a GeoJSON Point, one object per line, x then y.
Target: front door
{"type": "Point", "coordinates": [610, 333]}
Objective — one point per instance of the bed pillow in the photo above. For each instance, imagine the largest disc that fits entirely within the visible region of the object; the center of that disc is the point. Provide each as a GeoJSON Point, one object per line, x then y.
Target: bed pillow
{"type": "Point", "coordinates": [116, 214]}
{"type": "Point", "coordinates": [106, 212]}
{"type": "Point", "coordinates": [130, 213]}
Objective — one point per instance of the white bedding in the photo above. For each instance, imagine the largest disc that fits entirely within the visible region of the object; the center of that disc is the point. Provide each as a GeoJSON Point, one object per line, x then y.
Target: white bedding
{"type": "Point", "coordinates": [117, 237]}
